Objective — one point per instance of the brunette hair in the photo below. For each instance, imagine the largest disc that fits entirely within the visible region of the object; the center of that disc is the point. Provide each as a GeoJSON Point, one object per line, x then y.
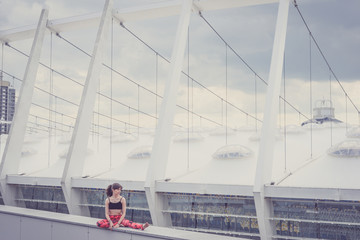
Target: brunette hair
{"type": "Point", "coordinates": [109, 189]}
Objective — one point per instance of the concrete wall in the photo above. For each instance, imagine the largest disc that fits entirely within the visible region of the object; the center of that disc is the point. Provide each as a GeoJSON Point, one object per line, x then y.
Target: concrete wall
{"type": "Point", "coordinates": [28, 224]}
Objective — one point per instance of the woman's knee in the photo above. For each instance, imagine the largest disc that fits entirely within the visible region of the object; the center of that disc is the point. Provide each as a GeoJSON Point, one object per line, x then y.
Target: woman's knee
{"type": "Point", "coordinates": [103, 224]}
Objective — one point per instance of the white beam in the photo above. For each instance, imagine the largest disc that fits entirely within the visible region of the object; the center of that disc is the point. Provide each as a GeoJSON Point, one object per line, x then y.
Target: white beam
{"type": "Point", "coordinates": [267, 143]}
{"type": "Point", "coordinates": [211, 5]}
{"type": "Point", "coordinates": [146, 12]}
{"type": "Point", "coordinates": [30, 180]}
{"type": "Point", "coordinates": [77, 151]}
{"type": "Point", "coordinates": [160, 152]}
{"type": "Point", "coordinates": [334, 194]}
{"type": "Point", "coordinates": [12, 153]}
{"type": "Point", "coordinates": [202, 188]}
{"type": "Point", "coordinates": [102, 183]}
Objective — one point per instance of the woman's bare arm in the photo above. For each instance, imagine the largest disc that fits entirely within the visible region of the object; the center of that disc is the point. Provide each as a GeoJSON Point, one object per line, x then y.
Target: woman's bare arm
{"type": "Point", "coordinates": [107, 213]}
{"type": "Point", "coordinates": [123, 202]}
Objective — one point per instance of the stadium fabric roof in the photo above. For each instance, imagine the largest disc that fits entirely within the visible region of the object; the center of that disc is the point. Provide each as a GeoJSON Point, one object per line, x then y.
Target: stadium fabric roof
{"type": "Point", "coordinates": [192, 166]}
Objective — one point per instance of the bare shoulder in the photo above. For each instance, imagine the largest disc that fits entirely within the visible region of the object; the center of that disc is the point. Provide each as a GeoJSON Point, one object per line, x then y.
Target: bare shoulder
{"type": "Point", "coordinates": [123, 200]}
{"type": "Point", "coordinates": [107, 201]}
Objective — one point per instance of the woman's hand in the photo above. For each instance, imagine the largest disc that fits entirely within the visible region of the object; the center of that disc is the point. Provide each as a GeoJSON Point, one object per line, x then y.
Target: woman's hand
{"type": "Point", "coordinates": [111, 225]}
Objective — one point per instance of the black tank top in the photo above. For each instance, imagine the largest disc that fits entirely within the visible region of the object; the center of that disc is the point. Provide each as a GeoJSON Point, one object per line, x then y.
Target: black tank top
{"type": "Point", "coordinates": [117, 205]}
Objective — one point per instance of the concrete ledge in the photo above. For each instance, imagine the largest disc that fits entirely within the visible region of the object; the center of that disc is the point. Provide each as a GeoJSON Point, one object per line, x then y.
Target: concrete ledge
{"type": "Point", "coordinates": [28, 224]}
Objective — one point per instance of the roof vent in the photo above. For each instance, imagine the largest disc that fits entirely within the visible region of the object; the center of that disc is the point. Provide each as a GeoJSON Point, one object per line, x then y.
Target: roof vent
{"type": "Point", "coordinates": [232, 152]}
{"type": "Point", "coordinates": [292, 129]}
{"type": "Point", "coordinates": [140, 153]}
{"type": "Point", "coordinates": [120, 138]}
{"type": "Point", "coordinates": [257, 136]}
{"type": "Point", "coordinates": [353, 132]}
{"type": "Point", "coordinates": [323, 108]}
{"type": "Point", "coordinates": [222, 131]}
{"type": "Point", "coordinates": [28, 152]}
{"type": "Point", "coordinates": [346, 149]}
{"type": "Point", "coordinates": [191, 136]}
{"type": "Point", "coordinates": [323, 112]}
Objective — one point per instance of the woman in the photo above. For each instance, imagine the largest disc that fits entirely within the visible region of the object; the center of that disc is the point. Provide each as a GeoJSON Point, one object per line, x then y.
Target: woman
{"type": "Point", "coordinates": [115, 210]}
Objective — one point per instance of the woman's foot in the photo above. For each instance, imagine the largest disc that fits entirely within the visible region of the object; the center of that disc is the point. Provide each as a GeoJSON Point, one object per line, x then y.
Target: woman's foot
{"type": "Point", "coordinates": [145, 225]}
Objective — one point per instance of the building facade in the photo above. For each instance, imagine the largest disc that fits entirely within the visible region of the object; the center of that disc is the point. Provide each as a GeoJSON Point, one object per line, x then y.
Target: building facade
{"type": "Point", "coordinates": [7, 106]}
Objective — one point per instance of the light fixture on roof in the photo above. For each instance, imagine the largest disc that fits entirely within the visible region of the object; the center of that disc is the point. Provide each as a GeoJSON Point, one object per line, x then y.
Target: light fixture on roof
{"type": "Point", "coordinates": [222, 131]}
{"type": "Point", "coordinates": [63, 154]}
{"type": "Point", "coordinates": [346, 149]}
{"type": "Point", "coordinates": [65, 139]}
{"type": "Point", "coordinates": [185, 137]}
{"type": "Point", "coordinates": [232, 152]}
{"type": "Point", "coordinates": [120, 138]}
{"type": "Point", "coordinates": [140, 153]}
{"type": "Point", "coordinates": [28, 152]}
{"type": "Point", "coordinates": [292, 129]}
{"type": "Point", "coordinates": [353, 132]}
{"type": "Point", "coordinates": [257, 136]}
{"type": "Point", "coordinates": [323, 112]}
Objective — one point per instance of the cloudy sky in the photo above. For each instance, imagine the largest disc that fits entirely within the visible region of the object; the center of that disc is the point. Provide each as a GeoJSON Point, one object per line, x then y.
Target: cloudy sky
{"type": "Point", "coordinates": [249, 33]}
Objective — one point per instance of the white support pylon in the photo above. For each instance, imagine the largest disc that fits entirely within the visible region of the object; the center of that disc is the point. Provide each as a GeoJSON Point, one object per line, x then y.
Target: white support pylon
{"type": "Point", "coordinates": [78, 147]}
{"type": "Point", "coordinates": [267, 142]}
{"type": "Point", "coordinates": [12, 153]}
{"type": "Point", "coordinates": [160, 152]}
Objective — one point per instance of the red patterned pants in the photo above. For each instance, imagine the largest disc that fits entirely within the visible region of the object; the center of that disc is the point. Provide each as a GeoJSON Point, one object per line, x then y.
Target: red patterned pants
{"type": "Point", "coordinates": [104, 223]}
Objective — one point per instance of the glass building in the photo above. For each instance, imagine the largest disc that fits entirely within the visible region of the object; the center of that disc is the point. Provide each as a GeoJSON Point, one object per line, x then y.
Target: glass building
{"type": "Point", "coordinates": [7, 106]}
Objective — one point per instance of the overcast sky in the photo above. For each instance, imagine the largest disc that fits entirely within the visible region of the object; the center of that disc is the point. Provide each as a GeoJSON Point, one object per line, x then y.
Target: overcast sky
{"type": "Point", "coordinates": [249, 31]}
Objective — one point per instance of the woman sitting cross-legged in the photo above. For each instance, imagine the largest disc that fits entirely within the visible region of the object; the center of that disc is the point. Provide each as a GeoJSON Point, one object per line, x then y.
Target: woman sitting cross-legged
{"type": "Point", "coordinates": [115, 210]}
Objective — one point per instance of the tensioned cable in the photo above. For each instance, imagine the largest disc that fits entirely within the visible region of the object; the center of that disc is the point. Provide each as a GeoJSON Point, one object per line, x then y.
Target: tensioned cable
{"type": "Point", "coordinates": [200, 84]}
{"type": "Point", "coordinates": [331, 123]}
{"type": "Point", "coordinates": [63, 75]}
{"type": "Point", "coordinates": [346, 112]}
{"type": "Point", "coordinates": [101, 94]}
{"type": "Point", "coordinates": [46, 128]}
{"type": "Point", "coordinates": [226, 93]}
{"type": "Point", "coordinates": [50, 97]}
{"type": "Point", "coordinates": [109, 67]}
{"type": "Point", "coordinates": [311, 112]}
{"type": "Point", "coordinates": [44, 65]}
{"type": "Point", "coordinates": [322, 54]}
{"type": "Point", "coordinates": [246, 64]}
{"type": "Point", "coordinates": [155, 93]}
{"type": "Point", "coordinates": [100, 114]}
{"type": "Point", "coordinates": [188, 99]}
{"type": "Point", "coordinates": [98, 117]}
{"type": "Point", "coordinates": [218, 34]}
{"type": "Point", "coordinates": [150, 91]}
{"type": "Point", "coordinates": [138, 107]}
{"type": "Point", "coordinates": [45, 108]}
{"type": "Point", "coordinates": [129, 119]}
{"type": "Point", "coordinates": [156, 84]}
{"type": "Point", "coordinates": [46, 119]}
{"type": "Point", "coordinates": [284, 73]}
{"type": "Point", "coordinates": [2, 59]}
{"type": "Point", "coordinates": [42, 90]}
{"type": "Point", "coordinates": [111, 86]}
{"type": "Point", "coordinates": [48, 109]}
{"type": "Point", "coordinates": [113, 70]}
{"type": "Point", "coordinates": [255, 87]}
{"type": "Point", "coordinates": [168, 61]}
